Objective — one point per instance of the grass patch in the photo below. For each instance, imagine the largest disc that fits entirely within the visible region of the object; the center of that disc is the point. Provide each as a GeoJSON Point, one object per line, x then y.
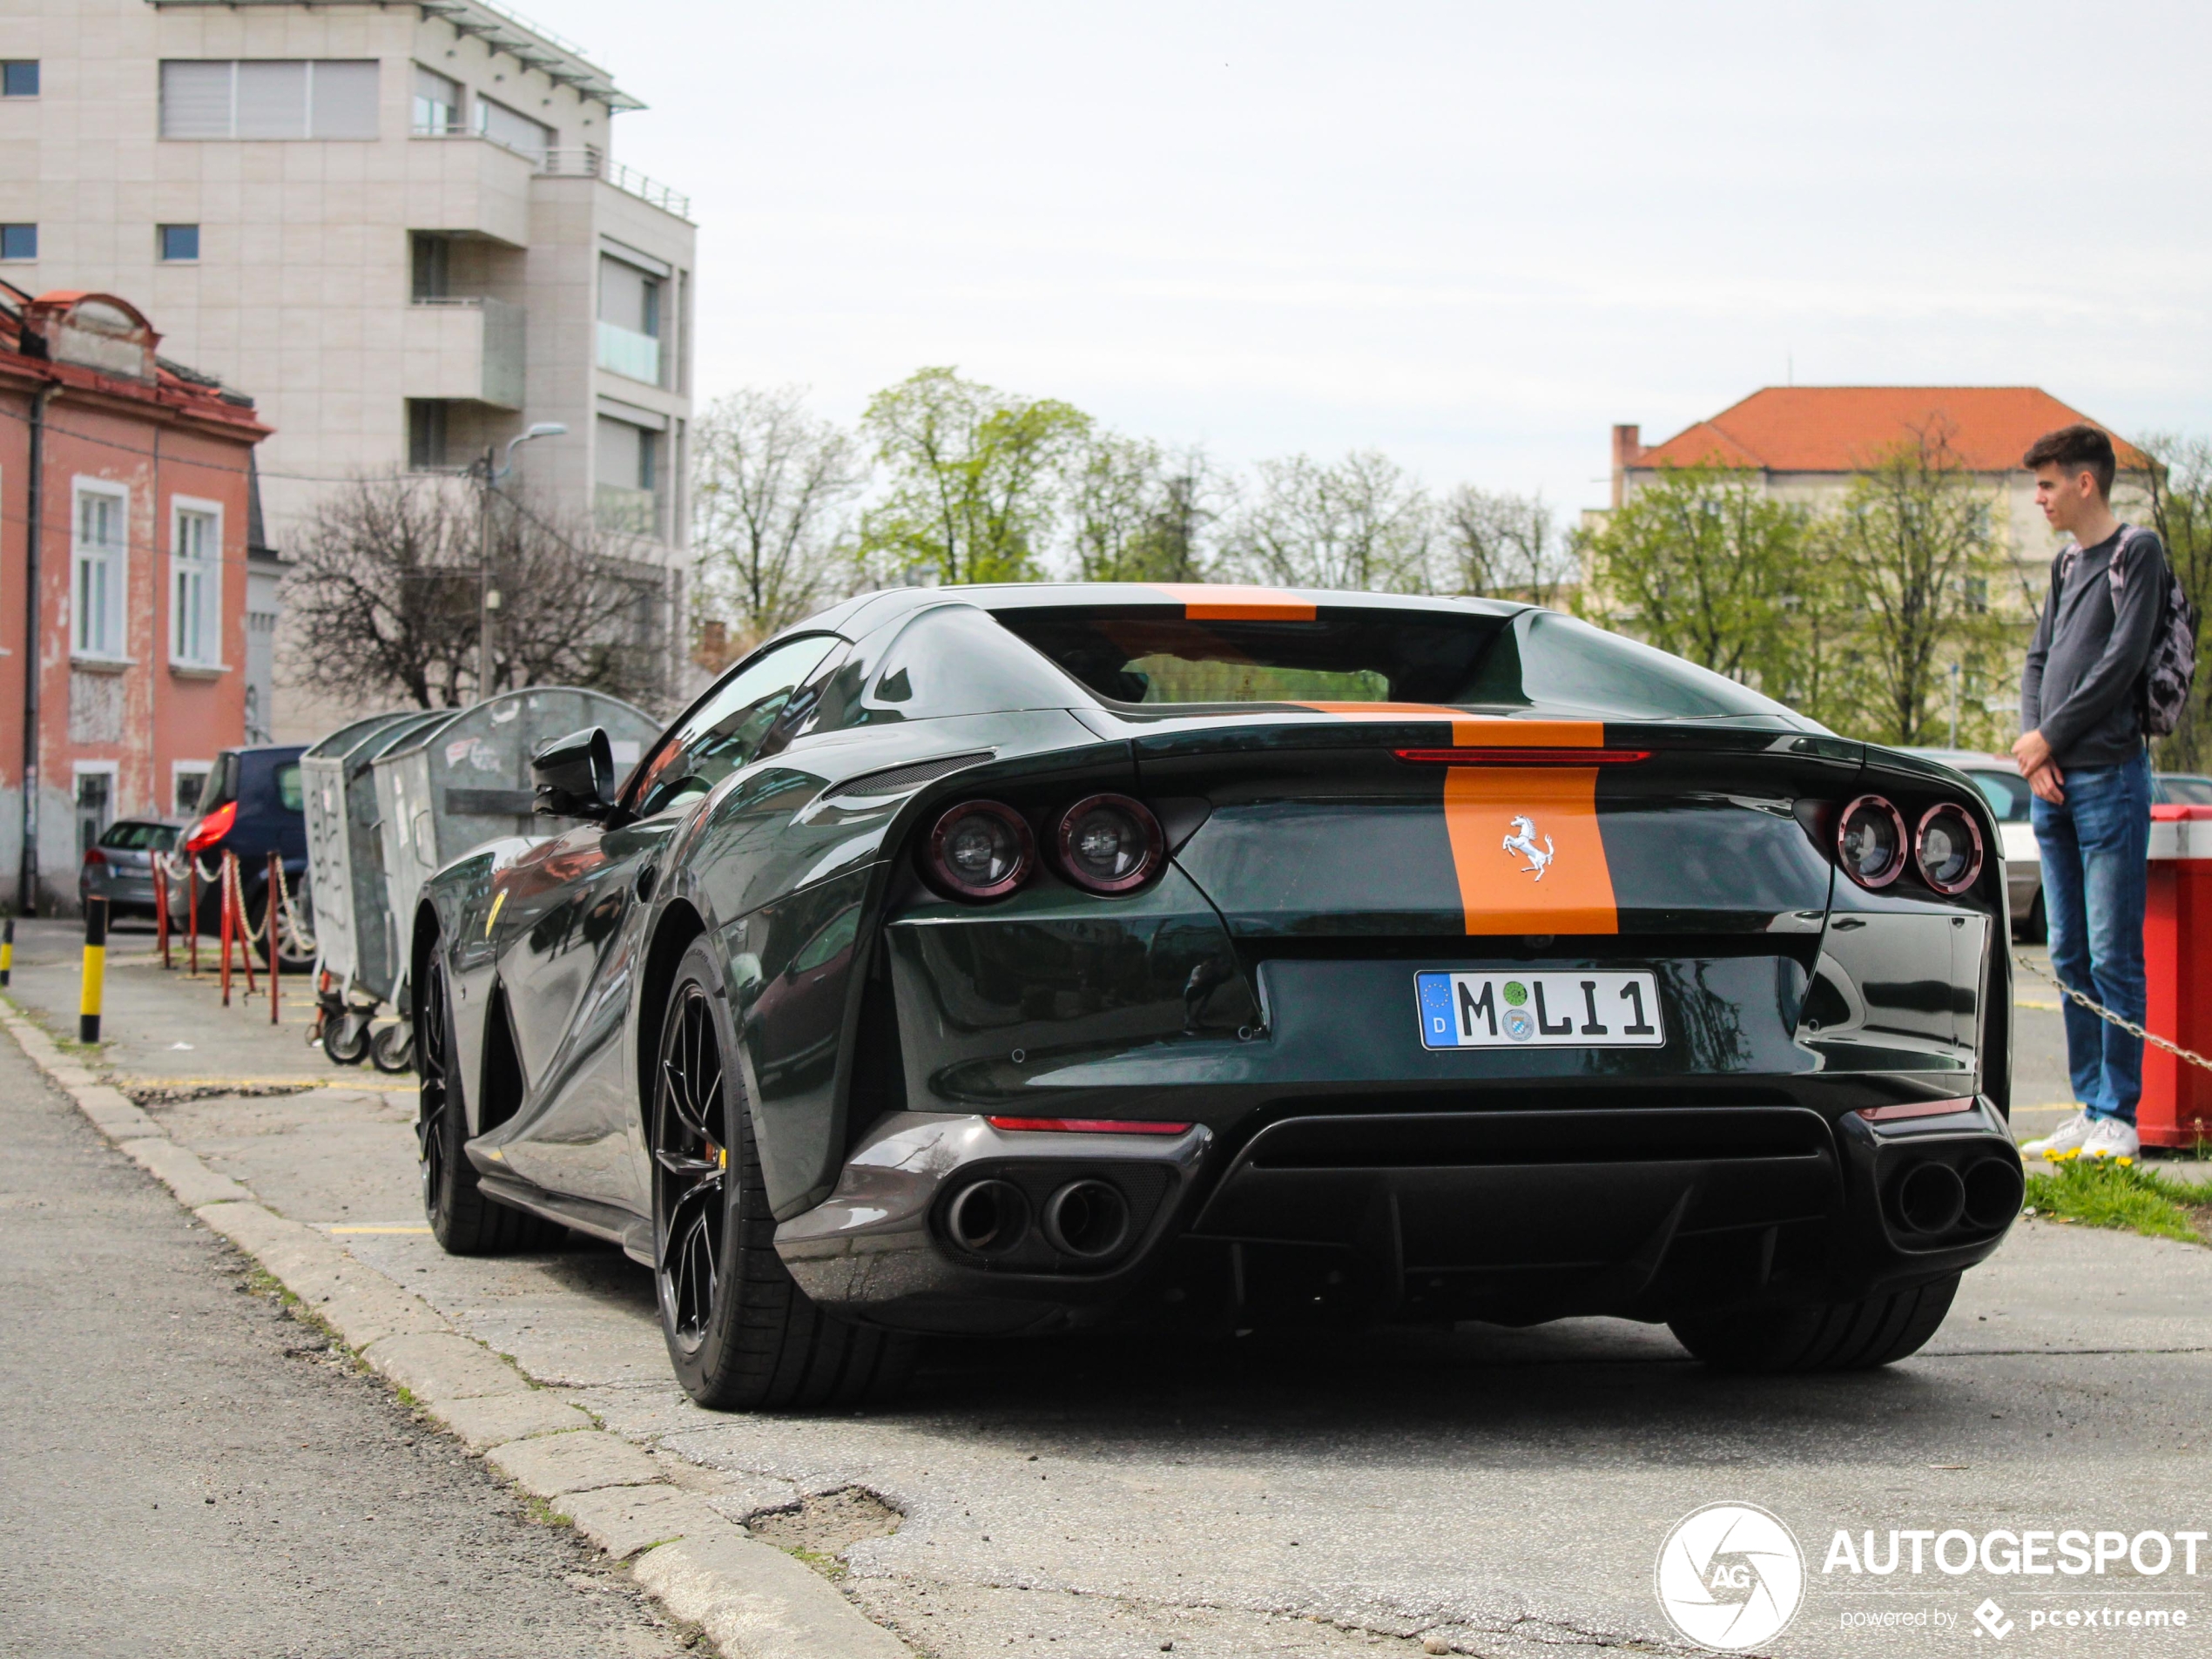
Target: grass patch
{"type": "Point", "coordinates": [2127, 1196]}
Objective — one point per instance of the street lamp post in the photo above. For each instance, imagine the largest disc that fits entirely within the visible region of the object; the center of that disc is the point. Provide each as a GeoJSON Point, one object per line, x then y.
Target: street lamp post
{"type": "Point", "coordinates": [487, 595]}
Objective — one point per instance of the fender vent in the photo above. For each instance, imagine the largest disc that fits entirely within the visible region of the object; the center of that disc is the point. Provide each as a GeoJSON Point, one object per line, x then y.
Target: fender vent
{"type": "Point", "coordinates": [898, 779]}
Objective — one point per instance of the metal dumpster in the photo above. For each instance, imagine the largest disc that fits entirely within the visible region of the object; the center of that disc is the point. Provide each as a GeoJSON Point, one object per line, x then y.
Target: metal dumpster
{"type": "Point", "coordinates": [464, 779]}
{"type": "Point", "coordinates": [356, 943]}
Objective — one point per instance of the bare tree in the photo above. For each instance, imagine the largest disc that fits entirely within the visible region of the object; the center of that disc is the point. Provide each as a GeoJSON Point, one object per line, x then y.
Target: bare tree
{"type": "Point", "coordinates": [1498, 543]}
{"type": "Point", "coordinates": [385, 594]}
{"type": "Point", "coordinates": [770, 489]}
{"type": "Point", "coordinates": [1138, 512]}
{"type": "Point", "coordinates": [2179, 486]}
{"type": "Point", "coordinates": [1365, 523]}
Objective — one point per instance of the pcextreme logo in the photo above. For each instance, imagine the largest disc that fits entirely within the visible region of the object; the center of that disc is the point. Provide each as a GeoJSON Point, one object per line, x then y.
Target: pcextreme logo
{"type": "Point", "coordinates": [1731, 1576]}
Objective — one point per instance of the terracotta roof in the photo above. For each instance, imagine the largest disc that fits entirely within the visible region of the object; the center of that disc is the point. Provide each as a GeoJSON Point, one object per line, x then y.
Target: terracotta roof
{"type": "Point", "coordinates": [1836, 428]}
{"type": "Point", "coordinates": [174, 388]}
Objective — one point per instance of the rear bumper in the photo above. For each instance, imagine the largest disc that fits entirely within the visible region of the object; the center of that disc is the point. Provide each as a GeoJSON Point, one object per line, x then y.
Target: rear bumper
{"type": "Point", "coordinates": [1510, 1215]}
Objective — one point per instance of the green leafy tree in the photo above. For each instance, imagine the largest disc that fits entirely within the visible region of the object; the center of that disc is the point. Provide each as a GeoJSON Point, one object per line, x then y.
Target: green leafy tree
{"type": "Point", "coordinates": [975, 476]}
{"type": "Point", "coordinates": [1139, 513]}
{"type": "Point", "coordinates": [1915, 548]}
{"type": "Point", "coordinates": [2180, 491]}
{"type": "Point", "coordinates": [1702, 562]}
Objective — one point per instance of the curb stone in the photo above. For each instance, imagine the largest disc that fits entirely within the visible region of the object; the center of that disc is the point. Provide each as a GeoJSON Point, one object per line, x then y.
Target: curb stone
{"type": "Point", "coordinates": [752, 1599]}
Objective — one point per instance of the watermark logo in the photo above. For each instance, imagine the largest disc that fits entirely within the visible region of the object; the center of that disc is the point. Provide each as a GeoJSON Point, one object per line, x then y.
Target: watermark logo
{"type": "Point", "coordinates": [1992, 1618]}
{"type": "Point", "coordinates": [1731, 1576]}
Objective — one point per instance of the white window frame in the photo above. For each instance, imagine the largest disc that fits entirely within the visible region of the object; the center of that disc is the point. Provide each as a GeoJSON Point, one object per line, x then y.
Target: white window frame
{"type": "Point", "coordinates": [177, 770]}
{"type": "Point", "coordinates": [116, 647]}
{"type": "Point", "coordinates": [211, 574]}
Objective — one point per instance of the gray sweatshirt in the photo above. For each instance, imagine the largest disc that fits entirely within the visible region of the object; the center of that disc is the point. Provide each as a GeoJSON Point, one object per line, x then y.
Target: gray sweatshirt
{"type": "Point", "coordinates": [2079, 686]}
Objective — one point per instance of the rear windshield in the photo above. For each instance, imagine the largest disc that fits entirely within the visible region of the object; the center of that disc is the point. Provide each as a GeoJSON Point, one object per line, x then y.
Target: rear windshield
{"type": "Point", "coordinates": [1535, 659]}
{"type": "Point", "coordinates": [139, 837]}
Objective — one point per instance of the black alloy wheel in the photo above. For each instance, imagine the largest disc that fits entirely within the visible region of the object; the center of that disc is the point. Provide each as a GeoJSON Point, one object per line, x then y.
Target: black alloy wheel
{"type": "Point", "coordinates": [741, 1335]}
{"type": "Point", "coordinates": [463, 1220]}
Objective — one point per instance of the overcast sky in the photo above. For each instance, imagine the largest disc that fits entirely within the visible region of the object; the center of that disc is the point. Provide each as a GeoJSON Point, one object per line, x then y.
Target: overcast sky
{"type": "Point", "coordinates": [1473, 235]}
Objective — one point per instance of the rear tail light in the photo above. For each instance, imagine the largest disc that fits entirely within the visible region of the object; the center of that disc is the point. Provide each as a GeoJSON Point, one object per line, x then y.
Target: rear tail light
{"type": "Point", "coordinates": [1109, 844]}
{"type": "Point", "coordinates": [211, 828]}
{"type": "Point", "coordinates": [1870, 841]}
{"type": "Point", "coordinates": [92, 856]}
{"type": "Point", "coordinates": [1948, 848]}
{"type": "Point", "coordinates": [979, 851]}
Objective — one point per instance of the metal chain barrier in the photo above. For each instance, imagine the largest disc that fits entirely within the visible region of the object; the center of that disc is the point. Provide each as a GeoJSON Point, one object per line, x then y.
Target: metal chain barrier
{"type": "Point", "coordinates": [299, 938]}
{"type": "Point", "coordinates": [2107, 1016]}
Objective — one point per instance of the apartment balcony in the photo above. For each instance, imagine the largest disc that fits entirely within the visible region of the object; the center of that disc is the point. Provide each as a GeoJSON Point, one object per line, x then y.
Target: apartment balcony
{"type": "Point", "coordinates": [625, 352]}
{"type": "Point", "coordinates": [464, 349]}
{"type": "Point", "coordinates": [459, 182]}
{"type": "Point", "coordinates": [626, 512]}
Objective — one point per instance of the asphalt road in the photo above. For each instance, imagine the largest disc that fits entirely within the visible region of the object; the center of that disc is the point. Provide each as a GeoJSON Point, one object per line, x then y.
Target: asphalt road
{"type": "Point", "coordinates": [185, 1471]}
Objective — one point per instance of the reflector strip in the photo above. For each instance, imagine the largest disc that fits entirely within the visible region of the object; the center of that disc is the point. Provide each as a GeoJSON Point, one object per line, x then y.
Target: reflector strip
{"type": "Point", "coordinates": [1208, 602]}
{"type": "Point", "coordinates": [1916, 1108]}
{"type": "Point", "coordinates": [1522, 756]}
{"type": "Point", "coordinates": [1091, 1125]}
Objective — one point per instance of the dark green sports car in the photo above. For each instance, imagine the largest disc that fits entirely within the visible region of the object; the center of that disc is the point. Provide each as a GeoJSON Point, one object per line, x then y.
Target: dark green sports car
{"type": "Point", "coordinates": [995, 961]}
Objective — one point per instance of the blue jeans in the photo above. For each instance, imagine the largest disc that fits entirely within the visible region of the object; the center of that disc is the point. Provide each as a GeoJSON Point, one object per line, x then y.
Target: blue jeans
{"type": "Point", "coordinates": [2096, 852]}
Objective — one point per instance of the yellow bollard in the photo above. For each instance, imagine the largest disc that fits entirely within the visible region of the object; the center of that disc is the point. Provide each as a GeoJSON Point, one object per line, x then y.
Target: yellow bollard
{"type": "Point", "coordinates": [88, 999]}
{"type": "Point", "coordinates": [6, 949]}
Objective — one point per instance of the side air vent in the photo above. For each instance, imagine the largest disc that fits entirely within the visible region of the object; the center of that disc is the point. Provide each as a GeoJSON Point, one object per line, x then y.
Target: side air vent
{"type": "Point", "coordinates": [898, 779]}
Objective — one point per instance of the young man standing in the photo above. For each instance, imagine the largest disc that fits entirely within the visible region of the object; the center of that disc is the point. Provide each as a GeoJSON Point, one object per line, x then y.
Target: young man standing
{"type": "Point", "coordinates": [2083, 750]}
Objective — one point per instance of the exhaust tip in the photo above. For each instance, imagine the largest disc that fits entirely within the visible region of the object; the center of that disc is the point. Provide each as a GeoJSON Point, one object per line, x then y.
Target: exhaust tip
{"type": "Point", "coordinates": [1086, 1220]}
{"type": "Point", "coordinates": [1994, 1189]}
{"type": "Point", "coordinates": [988, 1217]}
{"type": "Point", "coordinates": [1930, 1197]}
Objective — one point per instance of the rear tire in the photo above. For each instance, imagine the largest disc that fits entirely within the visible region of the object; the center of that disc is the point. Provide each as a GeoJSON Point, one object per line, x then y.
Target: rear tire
{"type": "Point", "coordinates": [463, 1218]}
{"type": "Point", "coordinates": [742, 1336]}
{"type": "Point", "coordinates": [1835, 1336]}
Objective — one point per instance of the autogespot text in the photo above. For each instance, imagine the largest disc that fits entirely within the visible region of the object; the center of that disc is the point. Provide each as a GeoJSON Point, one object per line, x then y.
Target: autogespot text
{"type": "Point", "coordinates": [2074, 1551]}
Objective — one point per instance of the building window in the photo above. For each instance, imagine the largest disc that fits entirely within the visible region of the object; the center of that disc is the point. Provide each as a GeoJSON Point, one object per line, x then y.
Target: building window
{"type": "Point", "coordinates": [517, 131]}
{"type": "Point", "coordinates": [437, 104]}
{"type": "Point", "coordinates": [187, 778]}
{"type": "Point", "coordinates": [96, 592]}
{"type": "Point", "coordinates": [430, 258]}
{"type": "Point", "coordinates": [268, 98]}
{"type": "Point", "coordinates": [630, 320]}
{"type": "Point", "coordinates": [196, 586]}
{"type": "Point", "coordinates": [179, 243]}
{"type": "Point", "coordinates": [626, 477]}
{"type": "Point", "coordinates": [19, 78]}
{"type": "Point", "coordinates": [18, 242]}
{"type": "Point", "coordinates": [426, 434]}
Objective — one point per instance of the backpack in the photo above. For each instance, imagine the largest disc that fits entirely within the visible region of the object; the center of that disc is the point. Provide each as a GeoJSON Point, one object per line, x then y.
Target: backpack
{"type": "Point", "coordinates": [2162, 689]}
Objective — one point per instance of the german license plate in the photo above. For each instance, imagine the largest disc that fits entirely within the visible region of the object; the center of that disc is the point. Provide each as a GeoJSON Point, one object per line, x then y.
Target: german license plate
{"type": "Point", "coordinates": [1519, 1010]}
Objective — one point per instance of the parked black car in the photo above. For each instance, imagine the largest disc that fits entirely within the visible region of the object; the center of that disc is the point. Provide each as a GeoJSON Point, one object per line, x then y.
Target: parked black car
{"type": "Point", "coordinates": [997, 960]}
{"type": "Point", "coordinates": [251, 805]}
{"type": "Point", "coordinates": [118, 867]}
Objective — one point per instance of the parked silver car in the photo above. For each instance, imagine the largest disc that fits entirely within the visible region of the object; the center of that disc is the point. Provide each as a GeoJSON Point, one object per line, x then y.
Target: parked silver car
{"type": "Point", "coordinates": [119, 866]}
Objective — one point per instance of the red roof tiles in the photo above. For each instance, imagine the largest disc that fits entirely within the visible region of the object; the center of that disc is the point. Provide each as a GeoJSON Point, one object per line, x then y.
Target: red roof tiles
{"type": "Point", "coordinates": [1840, 429]}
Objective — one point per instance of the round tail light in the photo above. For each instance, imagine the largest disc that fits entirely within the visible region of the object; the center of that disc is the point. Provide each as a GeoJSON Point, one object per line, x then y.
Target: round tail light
{"type": "Point", "coordinates": [1949, 848]}
{"type": "Point", "coordinates": [980, 850]}
{"type": "Point", "coordinates": [1109, 844]}
{"type": "Point", "coordinates": [1870, 841]}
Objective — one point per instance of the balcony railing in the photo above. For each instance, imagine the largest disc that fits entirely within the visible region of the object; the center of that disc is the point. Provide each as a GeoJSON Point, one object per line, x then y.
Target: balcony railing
{"type": "Point", "coordinates": [588, 163]}
{"type": "Point", "coordinates": [625, 351]}
{"type": "Point", "coordinates": [626, 512]}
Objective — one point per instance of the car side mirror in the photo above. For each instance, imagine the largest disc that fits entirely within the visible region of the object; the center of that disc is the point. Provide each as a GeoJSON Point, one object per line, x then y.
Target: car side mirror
{"type": "Point", "coordinates": [575, 777]}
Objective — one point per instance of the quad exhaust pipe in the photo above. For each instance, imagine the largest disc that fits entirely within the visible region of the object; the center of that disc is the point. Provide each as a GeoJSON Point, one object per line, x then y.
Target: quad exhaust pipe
{"type": "Point", "coordinates": [1088, 1219]}
{"type": "Point", "coordinates": [1932, 1198]}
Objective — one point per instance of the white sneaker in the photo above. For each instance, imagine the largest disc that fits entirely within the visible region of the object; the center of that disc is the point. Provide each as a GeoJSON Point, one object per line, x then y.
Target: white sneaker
{"type": "Point", "coordinates": [2111, 1138]}
{"type": "Point", "coordinates": [2064, 1142]}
